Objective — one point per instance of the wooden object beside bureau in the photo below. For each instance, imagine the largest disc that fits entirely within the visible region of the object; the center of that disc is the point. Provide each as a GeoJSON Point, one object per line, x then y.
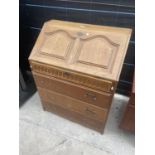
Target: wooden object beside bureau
{"type": "Point", "coordinates": [76, 68]}
{"type": "Point", "coordinates": [128, 119]}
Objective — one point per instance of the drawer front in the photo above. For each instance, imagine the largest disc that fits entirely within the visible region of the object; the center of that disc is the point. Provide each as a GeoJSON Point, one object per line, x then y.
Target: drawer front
{"type": "Point", "coordinates": [76, 117]}
{"type": "Point", "coordinates": [102, 100]}
{"type": "Point", "coordinates": [97, 84]}
{"type": "Point", "coordinates": [72, 104]}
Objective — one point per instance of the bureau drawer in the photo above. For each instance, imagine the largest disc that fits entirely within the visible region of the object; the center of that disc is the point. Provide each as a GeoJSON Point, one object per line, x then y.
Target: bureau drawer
{"type": "Point", "coordinates": [72, 104]}
{"type": "Point", "coordinates": [77, 78]}
{"type": "Point", "coordinates": [99, 99]}
{"type": "Point", "coordinates": [75, 117]}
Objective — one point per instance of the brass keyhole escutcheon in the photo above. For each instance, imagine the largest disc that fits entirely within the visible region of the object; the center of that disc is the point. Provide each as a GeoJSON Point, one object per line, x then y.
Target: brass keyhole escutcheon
{"type": "Point", "coordinates": [66, 74]}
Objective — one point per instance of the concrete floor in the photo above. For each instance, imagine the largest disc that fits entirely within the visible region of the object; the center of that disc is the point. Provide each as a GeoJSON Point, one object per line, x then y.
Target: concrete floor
{"type": "Point", "coordinates": [43, 133]}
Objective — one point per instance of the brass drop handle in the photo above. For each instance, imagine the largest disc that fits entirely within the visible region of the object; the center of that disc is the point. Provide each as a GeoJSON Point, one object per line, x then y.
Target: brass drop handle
{"type": "Point", "coordinates": [91, 112]}
{"type": "Point", "coordinates": [92, 96]}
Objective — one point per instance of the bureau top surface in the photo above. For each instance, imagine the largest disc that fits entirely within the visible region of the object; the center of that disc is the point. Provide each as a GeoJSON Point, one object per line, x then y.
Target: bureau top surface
{"type": "Point", "coordinates": [89, 49]}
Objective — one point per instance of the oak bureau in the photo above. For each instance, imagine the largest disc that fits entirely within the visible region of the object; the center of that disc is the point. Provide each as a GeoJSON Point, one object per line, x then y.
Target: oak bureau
{"type": "Point", "coordinates": [76, 68]}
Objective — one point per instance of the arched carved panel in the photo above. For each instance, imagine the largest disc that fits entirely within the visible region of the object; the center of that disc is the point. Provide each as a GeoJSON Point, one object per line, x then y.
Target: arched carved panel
{"type": "Point", "coordinates": [97, 51]}
{"type": "Point", "coordinates": [57, 44]}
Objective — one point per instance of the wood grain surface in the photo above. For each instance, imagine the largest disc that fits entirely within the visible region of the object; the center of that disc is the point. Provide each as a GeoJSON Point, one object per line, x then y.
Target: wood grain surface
{"type": "Point", "coordinates": [76, 68]}
{"type": "Point", "coordinates": [88, 49]}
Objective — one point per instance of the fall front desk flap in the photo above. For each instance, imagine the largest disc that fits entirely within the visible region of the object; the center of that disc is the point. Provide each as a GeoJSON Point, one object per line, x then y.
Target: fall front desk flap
{"type": "Point", "coordinates": [83, 48]}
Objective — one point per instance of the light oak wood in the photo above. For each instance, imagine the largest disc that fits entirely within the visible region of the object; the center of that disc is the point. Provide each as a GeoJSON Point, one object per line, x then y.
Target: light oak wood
{"type": "Point", "coordinates": [91, 82]}
{"type": "Point", "coordinates": [73, 116]}
{"type": "Point", "coordinates": [76, 68]}
{"type": "Point", "coordinates": [88, 49]}
{"type": "Point", "coordinates": [85, 109]}
{"type": "Point", "coordinates": [101, 99]}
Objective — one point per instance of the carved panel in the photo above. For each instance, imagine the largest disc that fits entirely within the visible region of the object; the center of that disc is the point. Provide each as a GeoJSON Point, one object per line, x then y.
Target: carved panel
{"type": "Point", "coordinates": [97, 51]}
{"type": "Point", "coordinates": [57, 44]}
{"type": "Point", "coordinates": [102, 85]}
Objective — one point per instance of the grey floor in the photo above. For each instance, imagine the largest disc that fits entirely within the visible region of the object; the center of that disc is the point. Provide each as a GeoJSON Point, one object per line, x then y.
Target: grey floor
{"type": "Point", "coordinates": [43, 133]}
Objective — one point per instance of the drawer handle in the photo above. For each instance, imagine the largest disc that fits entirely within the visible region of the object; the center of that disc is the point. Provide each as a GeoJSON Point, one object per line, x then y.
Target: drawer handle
{"type": "Point", "coordinates": [112, 88]}
{"type": "Point", "coordinates": [91, 112]}
{"type": "Point", "coordinates": [92, 96]}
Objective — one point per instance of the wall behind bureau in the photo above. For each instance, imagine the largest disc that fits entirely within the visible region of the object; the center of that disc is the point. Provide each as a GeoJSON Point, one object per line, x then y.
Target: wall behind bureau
{"type": "Point", "coordinates": [121, 13]}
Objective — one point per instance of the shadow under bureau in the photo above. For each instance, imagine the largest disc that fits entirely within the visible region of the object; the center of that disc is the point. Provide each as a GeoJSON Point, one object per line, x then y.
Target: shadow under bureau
{"type": "Point", "coordinates": [76, 68]}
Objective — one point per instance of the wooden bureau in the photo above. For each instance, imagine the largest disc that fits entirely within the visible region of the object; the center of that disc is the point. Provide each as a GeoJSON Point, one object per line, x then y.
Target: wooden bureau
{"type": "Point", "coordinates": [76, 68]}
